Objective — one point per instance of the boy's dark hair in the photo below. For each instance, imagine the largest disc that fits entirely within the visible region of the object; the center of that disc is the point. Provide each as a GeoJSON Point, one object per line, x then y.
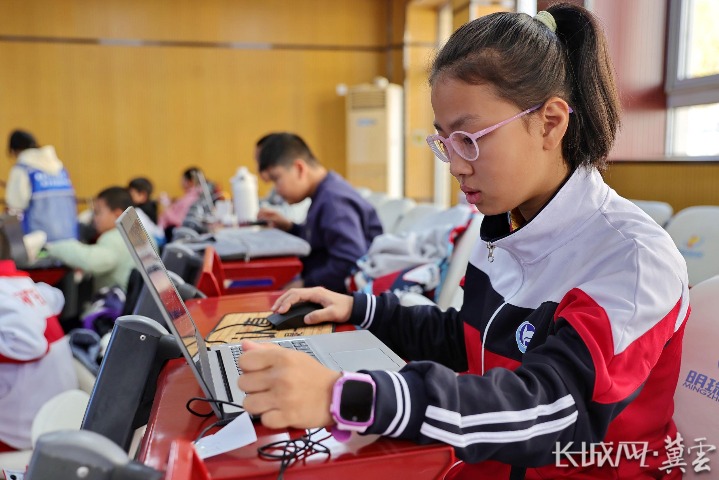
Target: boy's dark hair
{"type": "Point", "coordinates": [141, 184]}
{"type": "Point", "coordinates": [263, 139]}
{"type": "Point", "coordinates": [283, 149]}
{"type": "Point", "coordinates": [116, 198]}
{"type": "Point", "coordinates": [527, 63]}
{"type": "Point", "coordinates": [20, 140]}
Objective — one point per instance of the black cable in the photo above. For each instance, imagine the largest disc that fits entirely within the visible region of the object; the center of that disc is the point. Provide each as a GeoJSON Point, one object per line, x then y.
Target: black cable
{"type": "Point", "coordinates": [218, 402]}
{"type": "Point", "coordinates": [290, 451]}
{"type": "Point", "coordinates": [219, 423]}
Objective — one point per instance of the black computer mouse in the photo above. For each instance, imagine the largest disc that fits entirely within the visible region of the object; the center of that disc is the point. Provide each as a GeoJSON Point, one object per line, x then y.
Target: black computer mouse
{"type": "Point", "coordinates": [294, 317]}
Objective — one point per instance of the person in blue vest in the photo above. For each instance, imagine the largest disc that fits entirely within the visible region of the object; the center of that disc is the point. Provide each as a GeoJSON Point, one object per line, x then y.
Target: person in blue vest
{"type": "Point", "coordinates": [39, 189]}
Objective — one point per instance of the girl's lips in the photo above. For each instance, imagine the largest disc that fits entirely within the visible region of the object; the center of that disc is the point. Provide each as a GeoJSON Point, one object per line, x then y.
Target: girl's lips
{"type": "Point", "coordinates": [472, 196]}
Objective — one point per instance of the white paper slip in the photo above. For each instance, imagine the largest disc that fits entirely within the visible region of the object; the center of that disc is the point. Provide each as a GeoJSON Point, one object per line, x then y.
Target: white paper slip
{"type": "Point", "coordinates": [238, 433]}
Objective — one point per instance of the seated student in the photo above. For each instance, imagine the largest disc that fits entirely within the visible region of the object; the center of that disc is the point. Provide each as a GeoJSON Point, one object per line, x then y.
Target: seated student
{"type": "Point", "coordinates": [174, 213]}
{"type": "Point", "coordinates": [570, 335]}
{"type": "Point", "coordinates": [297, 212]}
{"type": "Point", "coordinates": [39, 189]}
{"type": "Point", "coordinates": [340, 224]}
{"type": "Point", "coordinates": [35, 357]}
{"type": "Point", "coordinates": [108, 260]}
{"type": "Point", "coordinates": [140, 189]}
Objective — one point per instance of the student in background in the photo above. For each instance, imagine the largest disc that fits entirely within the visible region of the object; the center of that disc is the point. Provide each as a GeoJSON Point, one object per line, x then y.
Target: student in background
{"type": "Point", "coordinates": [340, 224]}
{"type": "Point", "coordinates": [35, 358]}
{"type": "Point", "coordinates": [174, 213]}
{"type": "Point", "coordinates": [570, 334]}
{"type": "Point", "coordinates": [140, 189]}
{"type": "Point", "coordinates": [297, 212]}
{"type": "Point", "coordinates": [39, 189]}
{"type": "Point", "coordinates": [108, 260]}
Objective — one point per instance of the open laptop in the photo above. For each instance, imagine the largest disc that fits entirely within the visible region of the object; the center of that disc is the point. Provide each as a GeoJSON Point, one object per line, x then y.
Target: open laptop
{"type": "Point", "coordinates": [215, 367]}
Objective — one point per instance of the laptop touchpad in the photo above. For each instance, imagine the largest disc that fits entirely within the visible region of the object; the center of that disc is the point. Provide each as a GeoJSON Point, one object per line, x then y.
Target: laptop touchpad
{"type": "Point", "coordinates": [368, 359]}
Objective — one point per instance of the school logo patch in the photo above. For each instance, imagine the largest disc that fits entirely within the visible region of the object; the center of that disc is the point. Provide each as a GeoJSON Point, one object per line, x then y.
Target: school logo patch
{"type": "Point", "coordinates": [524, 335]}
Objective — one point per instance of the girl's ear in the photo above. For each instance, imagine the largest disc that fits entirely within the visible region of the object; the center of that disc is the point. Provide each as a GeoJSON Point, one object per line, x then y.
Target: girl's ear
{"type": "Point", "coordinates": [555, 119]}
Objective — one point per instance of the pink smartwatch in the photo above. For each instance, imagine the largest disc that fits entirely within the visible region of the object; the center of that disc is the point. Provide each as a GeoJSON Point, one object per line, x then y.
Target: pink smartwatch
{"type": "Point", "coordinates": [352, 406]}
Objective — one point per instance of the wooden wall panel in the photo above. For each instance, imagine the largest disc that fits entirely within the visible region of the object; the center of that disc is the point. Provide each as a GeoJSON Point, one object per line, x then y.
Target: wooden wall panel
{"type": "Point", "coordinates": [420, 48]}
{"type": "Point", "coordinates": [114, 111]}
{"type": "Point", "coordinates": [681, 184]}
{"type": "Point", "coordinates": [299, 22]}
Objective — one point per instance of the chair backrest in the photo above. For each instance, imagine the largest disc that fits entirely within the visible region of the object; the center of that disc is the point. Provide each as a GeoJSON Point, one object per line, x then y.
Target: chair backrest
{"type": "Point", "coordinates": [450, 295]}
{"type": "Point", "coordinates": [660, 212]}
{"type": "Point", "coordinates": [211, 281]}
{"type": "Point", "coordinates": [391, 211]}
{"type": "Point", "coordinates": [414, 216]}
{"type": "Point", "coordinates": [64, 411]}
{"type": "Point", "coordinates": [696, 401]}
{"type": "Point", "coordinates": [695, 231]}
{"type": "Point", "coordinates": [377, 198]}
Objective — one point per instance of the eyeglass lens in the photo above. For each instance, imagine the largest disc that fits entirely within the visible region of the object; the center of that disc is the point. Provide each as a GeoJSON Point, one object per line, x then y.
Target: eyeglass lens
{"type": "Point", "coordinates": [465, 146]}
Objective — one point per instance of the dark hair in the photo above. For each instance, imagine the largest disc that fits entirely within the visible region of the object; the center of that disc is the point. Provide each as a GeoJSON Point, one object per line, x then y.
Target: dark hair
{"type": "Point", "coordinates": [20, 140]}
{"type": "Point", "coordinates": [191, 174]}
{"type": "Point", "coordinates": [141, 184]}
{"type": "Point", "coordinates": [527, 63]}
{"type": "Point", "coordinates": [116, 198]}
{"type": "Point", "coordinates": [283, 149]}
{"type": "Point", "coordinates": [263, 139]}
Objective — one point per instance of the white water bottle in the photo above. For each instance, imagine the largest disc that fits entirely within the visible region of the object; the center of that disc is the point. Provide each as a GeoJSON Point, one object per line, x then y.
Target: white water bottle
{"type": "Point", "coordinates": [244, 196]}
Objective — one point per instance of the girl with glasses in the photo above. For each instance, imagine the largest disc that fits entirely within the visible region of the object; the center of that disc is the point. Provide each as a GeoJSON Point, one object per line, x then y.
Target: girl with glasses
{"type": "Point", "coordinates": [570, 335]}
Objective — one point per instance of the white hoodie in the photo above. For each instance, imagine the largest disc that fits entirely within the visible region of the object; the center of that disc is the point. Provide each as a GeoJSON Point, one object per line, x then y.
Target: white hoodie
{"type": "Point", "coordinates": [18, 190]}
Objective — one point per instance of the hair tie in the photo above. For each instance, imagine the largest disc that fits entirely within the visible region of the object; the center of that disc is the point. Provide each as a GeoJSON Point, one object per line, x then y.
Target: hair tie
{"type": "Point", "coordinates": [547, 19]}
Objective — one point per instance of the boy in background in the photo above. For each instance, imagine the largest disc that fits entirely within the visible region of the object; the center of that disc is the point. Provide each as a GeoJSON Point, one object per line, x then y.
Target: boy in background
{"type": "Point", "coordinates": [39, 189]}
{"type": "Point", "coordinates": [140, 189]}
{"type": "Point", "coordinates": [108, 260]}
{"type": "Point", "coordinates": [340, 224]}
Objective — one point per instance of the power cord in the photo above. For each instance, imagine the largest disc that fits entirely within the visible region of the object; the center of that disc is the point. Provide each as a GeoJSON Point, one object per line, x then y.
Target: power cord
{"type": "Point", "coordinates": [290, 451]}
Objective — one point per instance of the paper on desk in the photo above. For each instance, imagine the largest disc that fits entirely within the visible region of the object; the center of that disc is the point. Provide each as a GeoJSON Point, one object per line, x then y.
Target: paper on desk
{"type": "Point", "coordinates": [238, 433]}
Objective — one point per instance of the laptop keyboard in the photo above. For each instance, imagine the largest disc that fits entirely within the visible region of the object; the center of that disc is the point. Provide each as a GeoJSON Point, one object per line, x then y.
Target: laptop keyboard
{"type": "Point", "coordinates": [300, 345]}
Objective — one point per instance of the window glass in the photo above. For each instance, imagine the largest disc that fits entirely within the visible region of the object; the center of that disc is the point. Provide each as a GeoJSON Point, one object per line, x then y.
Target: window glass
{"type": "Point", "coordinates": [696, 130]}
{"type": "Point", "coordinates": [701, 50]}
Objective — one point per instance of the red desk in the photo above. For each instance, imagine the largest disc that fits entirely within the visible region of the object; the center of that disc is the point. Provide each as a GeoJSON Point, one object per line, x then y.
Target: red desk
{"type": "Point", "coordinates": [260, 274]}
{"type": "Point", "coordinates": [50, 275]}
{"type": "Point", "coordinates": [169, 420]}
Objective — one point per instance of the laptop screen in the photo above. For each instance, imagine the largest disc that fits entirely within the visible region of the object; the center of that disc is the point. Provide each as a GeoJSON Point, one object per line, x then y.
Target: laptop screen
{"type": "Point", "coordinates": [172, 307]}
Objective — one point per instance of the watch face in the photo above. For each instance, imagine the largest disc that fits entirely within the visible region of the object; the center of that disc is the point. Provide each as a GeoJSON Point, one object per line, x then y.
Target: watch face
{"type": "Point", "coordinates": [356, 401]}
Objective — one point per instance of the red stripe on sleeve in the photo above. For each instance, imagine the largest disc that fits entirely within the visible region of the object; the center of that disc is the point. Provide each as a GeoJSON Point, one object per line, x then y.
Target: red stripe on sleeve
{"type": "Point", "coordinates": [616, 375]}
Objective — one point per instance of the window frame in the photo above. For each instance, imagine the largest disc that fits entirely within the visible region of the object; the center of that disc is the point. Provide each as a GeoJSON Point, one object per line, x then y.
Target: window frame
{"type": "Point", "coordinates": [683, 92]}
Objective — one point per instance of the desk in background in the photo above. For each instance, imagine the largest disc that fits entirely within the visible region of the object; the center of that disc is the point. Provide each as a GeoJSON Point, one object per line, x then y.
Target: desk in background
{"type": "Point", "coordinates": [170, 421]}
{"type": "Point", "coordinates": [220, 277]}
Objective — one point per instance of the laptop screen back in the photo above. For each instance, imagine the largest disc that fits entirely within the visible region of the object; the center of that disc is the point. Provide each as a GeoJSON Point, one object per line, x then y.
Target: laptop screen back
{"type": "Point", "coordinates": [166, 296]}
{"type": "Point", "coordinates": [206, 194]}
{"type": "Point", "coordinates": [13, 233]}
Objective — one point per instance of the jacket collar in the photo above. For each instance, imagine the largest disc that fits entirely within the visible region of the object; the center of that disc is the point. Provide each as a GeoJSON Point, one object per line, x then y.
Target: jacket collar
{"type": "Point", "coordinates": [557, 223]}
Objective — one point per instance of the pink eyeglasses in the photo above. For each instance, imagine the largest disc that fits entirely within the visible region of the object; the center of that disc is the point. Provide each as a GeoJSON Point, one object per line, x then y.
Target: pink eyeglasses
{"type": "Point", "coordinates": [465, 144]}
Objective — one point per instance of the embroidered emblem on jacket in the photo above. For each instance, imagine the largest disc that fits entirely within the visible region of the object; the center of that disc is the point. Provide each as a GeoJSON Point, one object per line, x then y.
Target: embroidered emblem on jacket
{"type": "Point", "coordinates": [524, 335]}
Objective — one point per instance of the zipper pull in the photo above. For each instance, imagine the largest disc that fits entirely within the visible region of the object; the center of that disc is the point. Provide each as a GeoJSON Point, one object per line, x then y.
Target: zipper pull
{"type": "Point", "coordinates": [490, 252]}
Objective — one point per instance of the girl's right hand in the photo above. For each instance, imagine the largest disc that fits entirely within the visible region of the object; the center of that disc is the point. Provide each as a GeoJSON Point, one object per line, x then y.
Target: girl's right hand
{"type": "Point", "coordinates": [337, 306]}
